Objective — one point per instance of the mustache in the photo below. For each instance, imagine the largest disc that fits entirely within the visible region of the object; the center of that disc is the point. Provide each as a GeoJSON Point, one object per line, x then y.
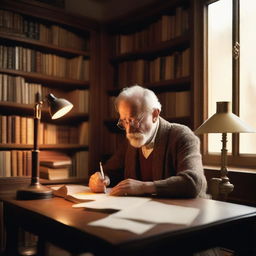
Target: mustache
{"type": "Point", "coordinates": [136, 135]}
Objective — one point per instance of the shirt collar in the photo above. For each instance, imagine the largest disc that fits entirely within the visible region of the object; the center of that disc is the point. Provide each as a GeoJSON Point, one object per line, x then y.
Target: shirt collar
{"type": "Point", "coordinates": [151, 144]}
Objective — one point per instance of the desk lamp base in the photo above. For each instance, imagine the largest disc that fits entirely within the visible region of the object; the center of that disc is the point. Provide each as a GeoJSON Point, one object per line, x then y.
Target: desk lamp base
{"type": "Point", "coordinates": [34, 192]}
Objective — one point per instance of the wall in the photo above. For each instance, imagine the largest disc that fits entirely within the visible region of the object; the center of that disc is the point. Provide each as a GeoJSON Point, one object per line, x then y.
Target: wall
{"type": "Point", "coordinates": [244, 184]}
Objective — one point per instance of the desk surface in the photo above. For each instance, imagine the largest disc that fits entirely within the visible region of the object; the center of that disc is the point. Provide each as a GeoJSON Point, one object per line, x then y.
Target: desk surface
{"type": "Point", "coordinates": [56, 221]}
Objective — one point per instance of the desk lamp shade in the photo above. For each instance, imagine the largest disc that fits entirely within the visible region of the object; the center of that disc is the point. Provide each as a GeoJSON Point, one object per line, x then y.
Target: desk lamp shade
{"type": "Point", "coordinates": [223, 121]}
{"type": "Point", "coordinates": [57, 108]}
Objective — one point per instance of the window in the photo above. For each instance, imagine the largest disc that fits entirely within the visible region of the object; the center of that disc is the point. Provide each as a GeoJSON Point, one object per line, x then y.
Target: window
{"type": "Point", "coordinates": [232, 77]}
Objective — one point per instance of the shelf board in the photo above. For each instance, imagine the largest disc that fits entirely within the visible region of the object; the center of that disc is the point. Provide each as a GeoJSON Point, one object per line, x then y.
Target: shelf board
{"type": "Point", "coordinates": [65, 146]}
{"type": "Point", "coordinates": [172, 85]}
{"type": "Point", "coordinates": [157, 49]}
{"type": "Point", "coordinates": [22, 40]}
{"type": "Point", "coordinates": [12, 108]}
{"type": "Point", "coordinates": [50, 80]}
{"type": "Point", "coordinates": [43, 147]}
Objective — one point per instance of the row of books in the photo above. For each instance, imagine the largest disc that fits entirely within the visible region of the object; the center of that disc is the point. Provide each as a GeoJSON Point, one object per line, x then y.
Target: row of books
{"type": "Point", "coordinates": [141, 71]}
{"type": "Point", "coordinates": [80, 165]}
{"type": "Point", "coordinates": [15, 163]}
{"type": "Point", "coordinates": [23, 26]}
{"type": "Point", "coordinates": [30, 60]}
{"type": "Point", "coordinates": [19, 130]}
{"type": "Point", "coordinates": [165, 28]}
{"type": "Point", "coordinates": [15, 89]}
{"type": "Point", "coordinates": [60, 134]}
{"type": "Point", "coordinates": [174, 104]}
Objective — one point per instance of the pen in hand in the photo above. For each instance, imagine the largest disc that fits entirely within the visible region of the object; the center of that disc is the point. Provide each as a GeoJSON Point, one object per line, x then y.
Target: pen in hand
{"type": "Point", "coordinates": [103, 177]}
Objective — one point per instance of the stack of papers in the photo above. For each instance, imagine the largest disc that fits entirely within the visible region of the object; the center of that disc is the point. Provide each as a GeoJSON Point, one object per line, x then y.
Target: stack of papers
{"type": "Point", "coordinates": [139, 214]}
{"type": "Point", "coordinates": [135, 214]}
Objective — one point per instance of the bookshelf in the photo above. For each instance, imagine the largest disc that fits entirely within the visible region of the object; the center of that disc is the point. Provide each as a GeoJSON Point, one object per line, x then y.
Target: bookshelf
{"type": "Point", "coordinates": [45, 49]}
{"type": "Point", "coordinates": [152, 47]}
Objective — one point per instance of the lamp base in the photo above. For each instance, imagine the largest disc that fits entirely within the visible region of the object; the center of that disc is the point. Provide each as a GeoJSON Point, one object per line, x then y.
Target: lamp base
{"type": "Point", "coordinates": [221, 188]}
{"type": "Point", "coordinates": [34, 192]}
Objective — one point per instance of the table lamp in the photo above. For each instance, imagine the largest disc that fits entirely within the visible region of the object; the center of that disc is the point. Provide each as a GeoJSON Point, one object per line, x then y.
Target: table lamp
{"type": "Point", "coordinates": [57, 108]}
{"type": "Point", "coordinates": [223, 121]}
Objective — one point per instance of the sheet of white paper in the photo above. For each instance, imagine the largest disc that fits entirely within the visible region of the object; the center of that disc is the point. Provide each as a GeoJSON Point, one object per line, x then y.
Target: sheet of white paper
{"type": "Point", "coordinates": [123, 224]}
{"type": "Point", "coordinates": [91, 196]}
{"type": "Point", "coordinates": [156, 212]}
{"type": "Point", "coordinates": [114, 202]}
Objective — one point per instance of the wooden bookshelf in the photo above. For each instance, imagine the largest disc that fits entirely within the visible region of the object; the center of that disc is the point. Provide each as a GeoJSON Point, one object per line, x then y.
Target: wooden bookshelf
{"type": "Point", "coordinates": [47, 49]}
{"type": "Point", "coordinates": [152, 47]}
{"type": "Point", "coordinates": [38, 44]}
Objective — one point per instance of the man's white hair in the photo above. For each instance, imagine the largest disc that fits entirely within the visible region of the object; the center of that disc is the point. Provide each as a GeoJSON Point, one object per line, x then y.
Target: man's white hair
{"type": "Point", "coordinates": [140, 97]}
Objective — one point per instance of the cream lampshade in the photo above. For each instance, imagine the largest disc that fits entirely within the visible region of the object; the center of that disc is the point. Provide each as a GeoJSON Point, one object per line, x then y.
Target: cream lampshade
{"type": "Point", "coordinates": [223, 121]}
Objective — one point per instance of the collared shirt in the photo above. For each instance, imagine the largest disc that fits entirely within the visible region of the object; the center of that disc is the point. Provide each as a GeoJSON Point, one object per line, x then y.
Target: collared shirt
{"type": "Point", "coordinates": [147, 149]}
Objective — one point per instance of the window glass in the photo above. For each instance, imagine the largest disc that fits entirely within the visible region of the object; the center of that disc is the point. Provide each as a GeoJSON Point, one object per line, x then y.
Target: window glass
{"type": "Point", "coordinates": [248, 73]}
{"type": "Point", "coordinates": [219, 63]}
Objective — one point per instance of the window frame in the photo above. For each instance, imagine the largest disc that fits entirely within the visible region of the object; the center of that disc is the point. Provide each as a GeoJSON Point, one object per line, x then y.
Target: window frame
{"type": "Point", "coordinates": [235, 159]}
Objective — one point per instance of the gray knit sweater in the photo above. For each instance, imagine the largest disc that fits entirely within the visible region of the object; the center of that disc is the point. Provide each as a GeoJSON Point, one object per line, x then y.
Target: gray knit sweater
{"type": "Point", "coordinates": [176, 166]}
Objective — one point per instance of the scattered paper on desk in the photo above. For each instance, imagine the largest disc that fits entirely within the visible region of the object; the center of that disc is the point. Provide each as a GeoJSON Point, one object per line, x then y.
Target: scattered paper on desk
{"type": "Point", "coordinates": [114, 202]}
{"type": "Point", "coordinates": [156, 212]}
{"type": "Point", "coordinates": [123, 224]}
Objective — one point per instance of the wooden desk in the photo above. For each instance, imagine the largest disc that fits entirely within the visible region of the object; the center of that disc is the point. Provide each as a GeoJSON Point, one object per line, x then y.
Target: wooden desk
{"type": "Point", "coordinates": [218, 224]}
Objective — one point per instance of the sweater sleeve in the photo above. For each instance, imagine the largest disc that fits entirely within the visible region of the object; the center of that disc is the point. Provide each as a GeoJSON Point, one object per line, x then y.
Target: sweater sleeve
{"type": "Point", "coordinates": [189, 180]}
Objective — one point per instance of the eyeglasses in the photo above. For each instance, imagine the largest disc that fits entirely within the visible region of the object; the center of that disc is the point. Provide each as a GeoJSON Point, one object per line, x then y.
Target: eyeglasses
{"type": "Point", "coordinates": [135, 123]}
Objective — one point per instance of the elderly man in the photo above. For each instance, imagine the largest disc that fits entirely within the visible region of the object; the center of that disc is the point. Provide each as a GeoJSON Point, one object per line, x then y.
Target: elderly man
{"type": "Point", "coordinates": [160, 159]}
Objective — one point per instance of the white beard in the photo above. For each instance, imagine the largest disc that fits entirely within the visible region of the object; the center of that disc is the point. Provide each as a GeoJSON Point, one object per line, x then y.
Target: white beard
{"type": "Point", "coordinates": [137, 140]}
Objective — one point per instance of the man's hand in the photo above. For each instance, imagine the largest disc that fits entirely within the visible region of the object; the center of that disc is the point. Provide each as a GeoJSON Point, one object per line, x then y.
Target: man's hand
{"type": "Point", "coordinates": [133, 187]}
{"type": "Point", "coordinates": [96, 183]}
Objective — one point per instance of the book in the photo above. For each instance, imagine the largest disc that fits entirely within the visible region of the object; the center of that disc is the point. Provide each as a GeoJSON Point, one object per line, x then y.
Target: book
{"type": "Point", "coordinates": [76, 193]}
{"type": "Point", "coordinates": [53, 173]}
{"type": "Point", "coordinates": [54, 159]}
{"type": "Point", "coordinates": [55, 163]}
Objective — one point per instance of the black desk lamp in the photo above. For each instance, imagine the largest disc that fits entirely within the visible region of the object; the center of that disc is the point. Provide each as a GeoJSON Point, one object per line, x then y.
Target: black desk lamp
{"type": "Point", "coordinates": [57, 109]}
